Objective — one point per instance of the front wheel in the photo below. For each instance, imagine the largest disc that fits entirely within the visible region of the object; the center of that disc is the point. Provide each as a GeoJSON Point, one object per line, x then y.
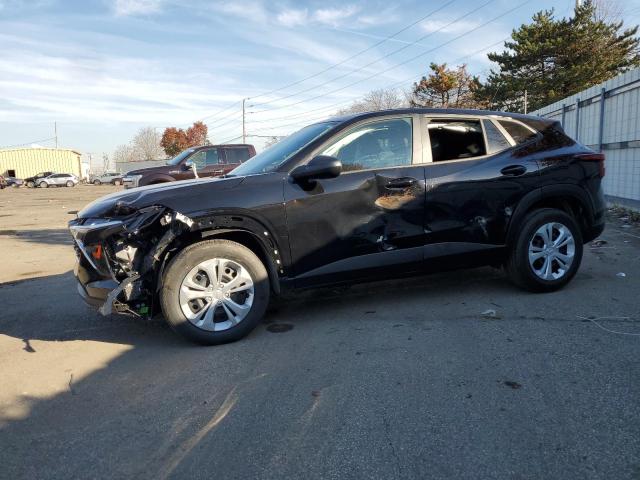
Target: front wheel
{"type": "Point", "coordinates": [97, 182]}
{"type": "Point", "coordinates": [31, 184]}
{"type": "Point", "coordinates": [214, 292]}
{"type": "Point", "coordinates": [547, 251]}
{"type": "Point", "coordinates": [70, 183]}
{"type": "Point", "coordinates": [117, 183]}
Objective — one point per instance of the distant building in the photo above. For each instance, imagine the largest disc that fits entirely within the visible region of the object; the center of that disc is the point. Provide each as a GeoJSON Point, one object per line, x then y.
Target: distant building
{"type": "Point", "coordinates": [26, 162]}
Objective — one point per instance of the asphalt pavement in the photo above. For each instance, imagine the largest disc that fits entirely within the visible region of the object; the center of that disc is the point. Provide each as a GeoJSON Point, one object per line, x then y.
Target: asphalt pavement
{"type": "Point", "coordinates": [454, 375]}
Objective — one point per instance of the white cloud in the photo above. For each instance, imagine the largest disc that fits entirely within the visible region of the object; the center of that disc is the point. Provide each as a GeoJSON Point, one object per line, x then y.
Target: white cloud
{"type": "Point", "coordinates": [443, 26]}
{"type": "Point", "coordinates": [293, 17]}
{"type": "Point", "coordinates": [123, 8]}
{"type": "Point", "coordinates": [335, 16]}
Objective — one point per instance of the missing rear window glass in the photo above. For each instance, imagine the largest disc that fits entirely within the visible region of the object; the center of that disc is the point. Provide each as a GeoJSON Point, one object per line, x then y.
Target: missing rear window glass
{"type": "Point", "coordinates": [456, 139]}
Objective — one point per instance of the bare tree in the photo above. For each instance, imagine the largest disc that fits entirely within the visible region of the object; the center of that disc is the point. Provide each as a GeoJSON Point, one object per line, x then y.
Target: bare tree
{"type": "Point", "coordinates": [105, 162]}
{"type": "Point", "coordinates": [608, 10]}
{"type": "Point", "coordinates": [146, 144]}
{"type": "Point", "coordinates": [380, 99]}
{"type": "Point", "coordinates": [123, 154]}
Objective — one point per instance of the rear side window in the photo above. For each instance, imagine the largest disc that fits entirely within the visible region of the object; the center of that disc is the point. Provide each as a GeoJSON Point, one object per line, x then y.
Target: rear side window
{"type": "Point", "coordinates": [496, 141]}
{"type": "Point", "coordinates": [453, 139]}
{"type": "Point", "coordinates": [237, 155]}
{"type": "Point", "coordinates": [519, 133]}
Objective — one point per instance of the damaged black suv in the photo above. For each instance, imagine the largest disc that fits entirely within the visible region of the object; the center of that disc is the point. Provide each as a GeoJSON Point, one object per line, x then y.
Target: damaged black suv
{"type": "Point", "coordinates": [351, 199]}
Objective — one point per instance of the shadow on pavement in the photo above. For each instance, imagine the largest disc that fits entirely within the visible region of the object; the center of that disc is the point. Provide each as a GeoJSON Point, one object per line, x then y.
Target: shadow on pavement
{"type": "Point", "coordinates": [55, 236]}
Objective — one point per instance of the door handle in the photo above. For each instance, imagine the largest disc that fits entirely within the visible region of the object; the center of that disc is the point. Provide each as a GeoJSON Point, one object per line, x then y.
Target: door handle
{"type": "Point", "coordinates": [514, 170]}
{"type": "Point", "coordinates": [403, 182]}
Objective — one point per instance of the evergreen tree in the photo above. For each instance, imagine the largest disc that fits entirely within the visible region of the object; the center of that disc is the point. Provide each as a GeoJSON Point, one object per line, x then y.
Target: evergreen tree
{"type": "Point", "coordinates": [552, 59]}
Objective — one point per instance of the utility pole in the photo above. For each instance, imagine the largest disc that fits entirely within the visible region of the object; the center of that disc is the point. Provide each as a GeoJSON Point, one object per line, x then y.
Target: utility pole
{"type": "Point", "coordinates": [525, 102]}
{"type": "Point", "coordinates": [55, 132]}
{"type": "Point", "coordinates": [244, 131]}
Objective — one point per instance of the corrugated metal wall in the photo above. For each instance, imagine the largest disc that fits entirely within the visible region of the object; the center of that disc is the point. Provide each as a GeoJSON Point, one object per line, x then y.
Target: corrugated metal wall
{"type": "Point", "coordinates": [606, 118]}
{"type": "Point", "coordinates": [29, 161]}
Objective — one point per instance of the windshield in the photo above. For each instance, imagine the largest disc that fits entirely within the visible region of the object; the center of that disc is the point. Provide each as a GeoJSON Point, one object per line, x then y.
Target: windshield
{"type": "Point", "coordinates": [274, 156]}
{"type": "Point", "coordinates": [178, 158]}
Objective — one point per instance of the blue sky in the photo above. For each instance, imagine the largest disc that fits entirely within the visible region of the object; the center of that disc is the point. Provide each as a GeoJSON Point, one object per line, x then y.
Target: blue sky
{"type": "Point", "coordinates": [103, 69]}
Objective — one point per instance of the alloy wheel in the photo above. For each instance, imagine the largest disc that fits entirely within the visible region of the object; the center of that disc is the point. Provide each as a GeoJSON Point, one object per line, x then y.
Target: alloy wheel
{"type": "Point", "coordinates": [551, 251]}
{"type": "Point", "coordinates": [216, 294]}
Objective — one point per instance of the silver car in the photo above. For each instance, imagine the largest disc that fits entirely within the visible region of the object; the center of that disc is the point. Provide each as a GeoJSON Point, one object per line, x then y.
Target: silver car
{"type": "Point", "coordinates": [58, 180]}
{"type": "Point", "coordinates": [114, 178]}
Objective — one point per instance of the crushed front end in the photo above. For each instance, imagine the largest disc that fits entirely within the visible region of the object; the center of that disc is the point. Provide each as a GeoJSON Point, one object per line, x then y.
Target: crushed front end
{"type": "Point", "coordinates": [119, 258]}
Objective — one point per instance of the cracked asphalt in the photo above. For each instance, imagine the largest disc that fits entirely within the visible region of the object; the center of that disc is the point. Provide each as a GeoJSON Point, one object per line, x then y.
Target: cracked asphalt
{"type": "Point", "coordinates": [398, 379]}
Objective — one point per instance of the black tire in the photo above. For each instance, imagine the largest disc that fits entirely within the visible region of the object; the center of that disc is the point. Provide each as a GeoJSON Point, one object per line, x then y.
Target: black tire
{"type": "Point", "coordinates": [30, 184]}
{"type": "Point", "coordinates": [97, 182]}
{"type": "Point", "coordinates": [70, 184]}
{"type": "Point", "coordinates": [186, 260]}
{"type": "Point", "coordinates": [117, 183]}
{"type": "Point", "coordinates": [43, 185]}
{"type": "Point", "coordinates": [518, 266]}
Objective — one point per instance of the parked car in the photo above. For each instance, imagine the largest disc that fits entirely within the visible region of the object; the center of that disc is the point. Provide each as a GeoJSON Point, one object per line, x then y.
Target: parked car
{"type": "Point", "coordinates": [58, 180]}
{"type": "Point", "coordinates": [3, 182]}
{"type": "Point", "coordinates": [33, 181]}
{"type": "Point", "coordinates": [114, 178]}
{"type": "Point", "coordinates": [14, 182]}
{"type": "Point", "coordinates": [205, 161]}
{"type": "Point", "coordinates": [357, 198]}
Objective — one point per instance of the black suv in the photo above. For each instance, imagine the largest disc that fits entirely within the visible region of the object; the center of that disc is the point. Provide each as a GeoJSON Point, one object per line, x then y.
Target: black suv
{"type": "Point", "coordinates": [367, 196]}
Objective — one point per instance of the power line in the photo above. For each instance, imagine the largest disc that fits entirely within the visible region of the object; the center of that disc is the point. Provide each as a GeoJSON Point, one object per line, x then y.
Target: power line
{"type": "Point", "coordinates": [394, 52]}
{"type": "Point", "coordinates": [392, 85]}
{"type": "Point", "coordinates": [342, 62]}
{"type": "Point", "coordinates": [29, 143]}
{"type": "Point", "coordinates": [357, 54]}
{"type": "Point", "coordinates": [405, 62]}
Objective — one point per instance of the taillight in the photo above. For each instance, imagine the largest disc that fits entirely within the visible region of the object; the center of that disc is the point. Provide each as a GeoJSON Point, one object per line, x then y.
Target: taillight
{"type": "Point", "coordinates": [593, 157]}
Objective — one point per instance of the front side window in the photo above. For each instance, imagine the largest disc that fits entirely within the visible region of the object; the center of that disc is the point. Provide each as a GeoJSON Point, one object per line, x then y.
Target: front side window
{"type": "Point", "coordinates": [453, 139]}
{"type": "Point", "coordinates": [387, 143]}
{"type": "Point", "coordinates": [199, 159]}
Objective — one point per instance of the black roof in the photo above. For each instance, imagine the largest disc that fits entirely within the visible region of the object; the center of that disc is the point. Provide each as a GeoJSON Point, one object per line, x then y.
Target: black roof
{"type": "Point", "coordinates": [440, 111]}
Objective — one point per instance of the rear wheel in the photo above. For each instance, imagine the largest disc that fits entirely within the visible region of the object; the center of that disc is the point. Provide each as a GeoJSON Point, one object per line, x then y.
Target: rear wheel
{"type": "Point", "coordinates": [43, 185]}
{"type": "Point", "coordinates": [97, 182]}
{"type": "Point", "coordinates": [547, 251]}
{"type": "Point", "coordinates": [215, 292]}
{"type": "Point", "coordinates": [117, 183]}
{"type": "Point", "coordinates": [70, 183]}
{"type": "Point", "coordinates": [31, 184]}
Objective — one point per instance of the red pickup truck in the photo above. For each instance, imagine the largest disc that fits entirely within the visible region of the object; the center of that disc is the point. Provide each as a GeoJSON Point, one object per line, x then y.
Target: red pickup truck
{"type": "Point", "coordinates": [207, 161]}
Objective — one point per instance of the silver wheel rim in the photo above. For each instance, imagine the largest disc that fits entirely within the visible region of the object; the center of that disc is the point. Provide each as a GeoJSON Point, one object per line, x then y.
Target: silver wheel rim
{"type": "Point", "coordinates": [551, 251]}
{"type": "Point", "coordinates": [216, 294]}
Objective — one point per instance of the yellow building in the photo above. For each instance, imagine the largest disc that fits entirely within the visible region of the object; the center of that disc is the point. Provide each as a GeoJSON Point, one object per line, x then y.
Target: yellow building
{"type": "Point", "coordinates": [26, 162]}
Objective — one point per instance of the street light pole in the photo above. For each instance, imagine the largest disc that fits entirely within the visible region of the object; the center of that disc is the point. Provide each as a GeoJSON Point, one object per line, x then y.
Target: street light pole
{"type": "Point", "coordinates": [244, 131]}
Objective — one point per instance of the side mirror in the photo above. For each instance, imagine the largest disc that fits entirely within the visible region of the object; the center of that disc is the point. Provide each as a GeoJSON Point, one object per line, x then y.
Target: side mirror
{"type": "Point", "coordinates": [318, 168]}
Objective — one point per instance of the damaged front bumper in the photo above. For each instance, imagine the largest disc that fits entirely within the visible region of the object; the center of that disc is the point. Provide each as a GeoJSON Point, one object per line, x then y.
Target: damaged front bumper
{"type": "Point", "coordinates": [118, 260]}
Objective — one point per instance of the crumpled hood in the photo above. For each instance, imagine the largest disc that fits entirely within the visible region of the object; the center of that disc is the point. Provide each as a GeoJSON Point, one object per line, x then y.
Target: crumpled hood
{"type": "Point", "coordinates": [185, 196]}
